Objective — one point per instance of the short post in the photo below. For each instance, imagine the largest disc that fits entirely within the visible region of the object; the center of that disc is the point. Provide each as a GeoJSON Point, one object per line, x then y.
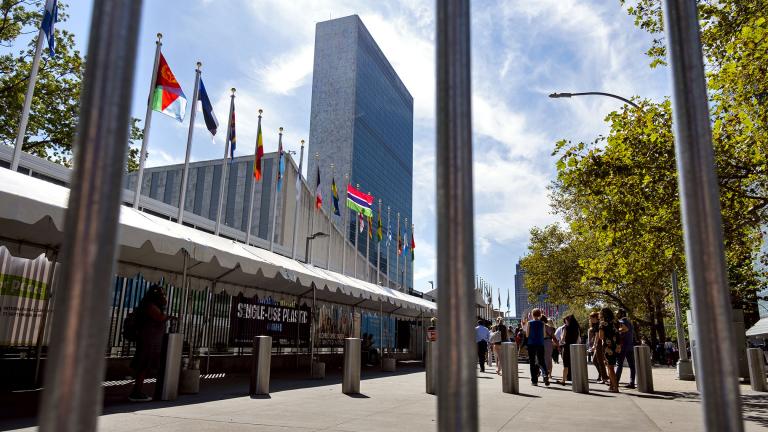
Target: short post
{"type": "Point", "coordinates": [167, 387]}
{"type": "Point", "coordinates": [510, 381]}
{"type": "Point", "coordinates": [580, 378]}
{"type": "Point", "coordinates": [756, 369]}
{"type": "Point", "coordinates": [262, 359]}
{"type": "Point", "coordinates": [643, 364]}
{"type": "Point", "coordinates": [431, 366]}
{"type": "Point", "coordinates": [350, 383]}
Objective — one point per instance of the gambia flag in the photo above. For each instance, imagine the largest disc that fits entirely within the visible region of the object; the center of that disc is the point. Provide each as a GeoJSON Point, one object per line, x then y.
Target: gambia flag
{"type": "Point", "coordinates": [359, 201]}
{"type": "Point", "coordinates": [168, 98]}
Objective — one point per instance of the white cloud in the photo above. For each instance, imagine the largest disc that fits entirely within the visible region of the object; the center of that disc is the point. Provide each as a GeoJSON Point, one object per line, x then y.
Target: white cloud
{"type": "Point", "coordinates": [288, 72]}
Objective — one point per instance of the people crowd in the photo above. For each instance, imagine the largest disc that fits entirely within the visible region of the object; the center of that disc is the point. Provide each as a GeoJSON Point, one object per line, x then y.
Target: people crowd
{"type": "Point", "coordinates": [610, 340]}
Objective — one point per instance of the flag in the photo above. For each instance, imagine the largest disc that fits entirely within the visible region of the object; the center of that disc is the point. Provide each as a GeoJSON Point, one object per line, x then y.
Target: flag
{"type": "Point", "coordinates": [259, 153]}
{"type": "Point", "coordinates": [231, 136]}
{"type": "Point", "coordinates": [359, 201]}
{"type": "Point", "coordinates": [405, 242]}
{"type": "Point", "coordinates": [370, 227]}
{"type": "Point", "coordinates": [389, 233]}
{"type": "Point", "coordinates": [507, 298]}
{"type": "Point", "coordinates": [211, 122]}
{"type": "Point", "coordinates": [168, 98]}
{"type": "Point", "coordinates": [50, 16]}
{"type": "Point", "coordinates": [361, 222]}
{"type": "Point", "coordinates": [280, 162]}
{"type": "Point", "coordinates": [399, 243]}
{"type": "Point", "coordinates": [379, 234]}
{"type": "Point", "coordinates": [499, 297]}
{"type": "Point", "coordinates": [335, 195]}
{"type": "Point", "coordinates": [413, 247]}
{"type": "Point", "coordinates": [318, 192]}
{"type": "Point", "coordinates": [298, 184]}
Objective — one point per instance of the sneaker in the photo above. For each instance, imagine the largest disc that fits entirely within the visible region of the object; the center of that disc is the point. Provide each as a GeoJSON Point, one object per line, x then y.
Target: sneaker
{"type": "Point", "coordinates": [139, 397]}
{"type": "Point", "coordinates": [629, 386]}
{"type": "Point", "coordinates": [535, 384]}
{"type": "Point", "coordinates": [546, 381]}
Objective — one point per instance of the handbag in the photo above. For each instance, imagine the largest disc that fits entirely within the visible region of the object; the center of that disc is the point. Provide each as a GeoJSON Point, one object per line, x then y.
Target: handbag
{"type": "Point", "coordinates": [495, 337]}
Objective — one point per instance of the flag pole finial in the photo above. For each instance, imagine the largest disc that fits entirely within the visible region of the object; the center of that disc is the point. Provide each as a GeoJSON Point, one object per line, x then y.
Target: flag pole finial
{"type": "Point", "coordinates": [233, 91]}
{"type": "Point", "coordinates": [281, 129]}
{"type": "Point", "coordinates": [199, 65]}
{"type": "Point", "coordinates": [302, 143]}
{"type": "Point", "coordinates": [159, 36]}
{"type": "Point", "coordinates": [260, 111]}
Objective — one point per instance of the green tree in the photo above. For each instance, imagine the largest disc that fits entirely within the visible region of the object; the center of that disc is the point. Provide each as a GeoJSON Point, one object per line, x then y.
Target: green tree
{"type": "Point", "coordinates": [55, 104]}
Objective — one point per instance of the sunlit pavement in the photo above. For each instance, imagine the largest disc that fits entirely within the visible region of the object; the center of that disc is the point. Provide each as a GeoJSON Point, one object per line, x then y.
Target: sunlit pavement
{"type": "Point", "coordinates": [398, 402]}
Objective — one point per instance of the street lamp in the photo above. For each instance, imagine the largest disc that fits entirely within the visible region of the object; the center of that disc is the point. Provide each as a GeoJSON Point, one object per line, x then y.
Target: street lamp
{"type": "Point", "coordinates": [432, 283]}
{"type": "Point", "coordinates": [309, 239]}
{"type": "Point", "coordinates": [569, 95]}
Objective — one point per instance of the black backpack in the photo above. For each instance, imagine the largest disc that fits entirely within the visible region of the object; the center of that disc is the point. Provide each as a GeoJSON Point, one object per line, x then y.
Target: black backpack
{"type": "Point", "coordinates": [131, 327]}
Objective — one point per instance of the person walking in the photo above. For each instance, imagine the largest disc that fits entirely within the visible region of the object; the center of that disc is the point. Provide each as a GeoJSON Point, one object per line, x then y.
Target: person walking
{"type": "Point", "coordinates": [498, 336]}
{"type": "Point", "coordinates": [598, 357]}
{"type": "Point", "coordinates": [482, 334]}
{"type": "Point", "coordinates": [535, 331]}
{"type": "Point", "coordinates": [549, 336]}
{"type": "Point", "coordinates": [627, 340]}
{"type": "Point", "coordinates": [571, 335]}
{"type": "Point", "coordinates": [150, 321]}
{"type": "Point", "coordinates": [607, 338]}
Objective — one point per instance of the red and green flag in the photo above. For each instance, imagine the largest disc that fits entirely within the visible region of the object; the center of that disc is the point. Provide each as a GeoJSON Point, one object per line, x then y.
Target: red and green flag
{"type": "Point", "coordinates": [257, 173]}
{"type": "Point", "coordinates": [379, 233]}
{"type": "Point", "coordinates": [413, 245]}
{"type": "Point", "coordinates": [168, 98]}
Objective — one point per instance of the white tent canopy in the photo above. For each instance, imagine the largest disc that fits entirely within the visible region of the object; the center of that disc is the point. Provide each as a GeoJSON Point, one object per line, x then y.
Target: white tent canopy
{"type": "Point", "coordinates": [32, 213]}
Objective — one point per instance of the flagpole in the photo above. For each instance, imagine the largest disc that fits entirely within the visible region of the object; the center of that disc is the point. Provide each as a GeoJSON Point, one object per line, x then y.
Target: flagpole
{"type": "Point", "coordinates": [223, 180]}
{"type": "Point", "coordinates": [253, 189]}
{"type": "Point", "coordinates": [24, 120]}
{"type": "Point", "coordinates": [345, 229]}
{"type": "Point", "coordinates": [185, 174]}
{"type": "Point", "coordinates": [357, 234]}
{"type": "Point", "coordinates": [405, 260]}
{"type": "Point", "coordinates": [314, 213]}
{"type": "Point", "coordinates": [330, 218]}
{"type": "Point", "coordinates": [378, 247]}
{"type": "Point", "coordinates": [274, 190]}
{"type": "Point", "coordinates": [397, 256]}
{"type": "Point", "coordinates": [389, 232]}
{"type": "Point", "coordinates": [147, 122]}
{"type": "Point", "coordinates": [368, 249]}
{"type": "Point", "coordinates": [298, 195]}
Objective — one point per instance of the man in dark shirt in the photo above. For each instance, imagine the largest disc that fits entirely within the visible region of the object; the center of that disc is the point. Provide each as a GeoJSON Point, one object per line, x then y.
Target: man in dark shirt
{"type": "Point", "coordinates": [627, 348]}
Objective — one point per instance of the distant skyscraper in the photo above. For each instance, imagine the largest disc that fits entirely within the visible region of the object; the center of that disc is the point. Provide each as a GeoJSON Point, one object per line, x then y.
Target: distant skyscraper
{"type": "Point", "coordinates": [521, 292]}
{"type": "Point", "coordinates": [362, 122]}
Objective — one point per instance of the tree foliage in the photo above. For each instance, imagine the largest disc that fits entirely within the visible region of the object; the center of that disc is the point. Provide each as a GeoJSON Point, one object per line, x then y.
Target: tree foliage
{"type": "Point", "coordinates": [55, 105]}
{"type": "Point", "coordinates": [618, 194]}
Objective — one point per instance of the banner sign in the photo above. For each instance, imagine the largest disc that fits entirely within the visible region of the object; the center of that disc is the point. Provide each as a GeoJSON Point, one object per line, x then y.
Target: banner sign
{"type": "Point", "coordinates": [284, 321]}
{"type": "Point", "coordinates": [333, 322]}
{"type": "Point", "coordinates": [24, 298]}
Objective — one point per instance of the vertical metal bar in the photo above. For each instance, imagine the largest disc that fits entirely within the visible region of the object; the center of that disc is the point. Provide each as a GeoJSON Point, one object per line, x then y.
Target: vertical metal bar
{"type": "Point", "coordinates": [681, 346]}
{"type": "Point", "coordinates": [397, 256]}
{"type": "Point", "coordinates": [223, 180]}
{"type": "Point", "coordinates": [457, 392]}
{"type": "Point", "coordinates": [389, 278]}
{"type": "Point", "coordinates": [44, 317]}
{"type": "Point", "coordinates": [185, 172]}
{"type": "Point", "coordinates": [28, 101]}
{"type": "Point", "coordinates": [253, 187]}
{"type": "Point", "coordinates": [147, 122]}
{"type": "Point", "coordinates": [72, 397]}
{"type": "Point", "coordinates": [378, 247]}
{"type": "Point", "coordinates": [345, 228]}
{"type": "Point", "coordinates": [368, 249]}
{"type": "Point", "coordinates": [716, 365]}
{"type": "Point", "coordinates": [274, 197]}
{"type": "Point", "coordinates": [298, 202]}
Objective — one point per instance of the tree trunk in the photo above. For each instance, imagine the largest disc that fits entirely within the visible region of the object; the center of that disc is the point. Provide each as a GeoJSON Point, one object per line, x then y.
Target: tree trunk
{"type": "Point", "coordinates": [658, 309]}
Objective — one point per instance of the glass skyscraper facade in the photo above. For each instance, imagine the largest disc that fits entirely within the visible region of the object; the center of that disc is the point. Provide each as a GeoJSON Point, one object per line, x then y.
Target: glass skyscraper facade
{"type": "Point", "coordinates": [362, 123]}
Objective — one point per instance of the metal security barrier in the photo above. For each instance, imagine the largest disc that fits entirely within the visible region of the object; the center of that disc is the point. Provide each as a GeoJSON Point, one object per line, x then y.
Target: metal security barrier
{"type": "Point", "coordinates": [644, 369]}
{"type": "Point", "coordinates": [756, 360]}
{"type": "Point", "coordinates": [350, 383]}
{"type": "Point", "coordinates": [431, 366]}
{"type": "Point", "coordinates": [510, 380]}
{"type": "Point", "coordinates": [579, 375]}
{"type": "Point", "coordinates": [167, 387]}
{"type": "Point", "coordinates": [260, 368]}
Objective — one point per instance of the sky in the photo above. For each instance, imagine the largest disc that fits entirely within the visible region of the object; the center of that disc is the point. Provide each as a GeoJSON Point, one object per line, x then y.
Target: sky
{"type": "Point", "coordinates": [521, 52]}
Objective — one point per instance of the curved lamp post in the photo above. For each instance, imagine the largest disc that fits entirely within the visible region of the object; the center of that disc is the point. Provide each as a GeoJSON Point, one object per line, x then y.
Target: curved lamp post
{"type": "Point", "coordinates": [568, 95]}
{"type": "Point", "coordinates": [309, 239]}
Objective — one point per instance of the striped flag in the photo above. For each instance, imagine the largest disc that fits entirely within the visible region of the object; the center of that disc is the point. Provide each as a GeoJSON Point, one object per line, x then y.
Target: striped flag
{"type": "Point", "coordinates": [231, 136]}
{"type": "Point", "coordinates": [257, 173]}
{"type": "Point", "coordinates": [359, 201]}
{"type": "Point", "coordinates": [280, 162]}
{"type": "Point", "coordinates": [50, 16]}
{"type": "Point", "coordinates": [318, 191]}
{"type": "Point", "coordinates": [335, 195]}
{"type": "Point", "coordinates": [211, 122]}
{"type": "Point", "coordinates": [168, 98]}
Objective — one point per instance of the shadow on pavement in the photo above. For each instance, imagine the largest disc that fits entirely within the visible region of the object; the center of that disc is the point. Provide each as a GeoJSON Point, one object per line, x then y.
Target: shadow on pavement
{"type": "Point", "coordinates": [19, 409]}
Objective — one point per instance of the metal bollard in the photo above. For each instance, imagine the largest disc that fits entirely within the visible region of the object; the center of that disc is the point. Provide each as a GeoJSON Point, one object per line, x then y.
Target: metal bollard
{"type": "Point", "coordinates": [167, 386]}
{"type": "Point", "coordinates": [431, 367]}
{"type": "Point", "coordinates": [510, 381]}
{"type": "Point", "coordinates": [262, 360]}
{"type": "Point", "coordinates": [644, 368]}
{"type": "Point", "coordinates": [579, 376]}
{"type": "Point", "coordinates": [756, 369]}
{"type": "Point", "coordinates": [350, 383]}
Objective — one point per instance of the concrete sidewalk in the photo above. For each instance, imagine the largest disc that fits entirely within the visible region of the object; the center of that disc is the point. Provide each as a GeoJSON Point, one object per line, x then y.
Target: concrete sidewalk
{"type": "Point", "coordinates": [397, 402]}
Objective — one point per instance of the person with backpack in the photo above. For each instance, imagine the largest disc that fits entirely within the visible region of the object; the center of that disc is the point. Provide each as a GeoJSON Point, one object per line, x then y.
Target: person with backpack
{"type": "Point", "coordinates": [607, 338]}
{"type": "Point", "coordinates": [535, 331]}
{"type": "Point", "coordinates": [147, 331]}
